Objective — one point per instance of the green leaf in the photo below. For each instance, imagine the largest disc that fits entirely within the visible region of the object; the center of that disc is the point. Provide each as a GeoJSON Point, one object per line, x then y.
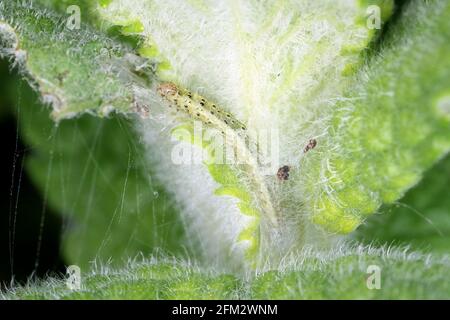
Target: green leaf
{"type": "Point", "coordinates": [92, 171]}
{"type": "Point", "coordinates": [421, 219]}
{"type": "Point", "coordinates": [296, 68]}
{"type": "Point", "coordinates": [286, 94]}
{"type": "Point", "coordinates": [391, 127]}
{"type": "Point", "coordinates": [75, 70]}
{"type": "Point", "coordinates": [340, 274]}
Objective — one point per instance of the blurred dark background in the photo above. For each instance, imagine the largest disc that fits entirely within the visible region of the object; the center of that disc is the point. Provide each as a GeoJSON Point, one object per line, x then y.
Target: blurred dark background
{"type": "Point", "coordinates": [29, 242]}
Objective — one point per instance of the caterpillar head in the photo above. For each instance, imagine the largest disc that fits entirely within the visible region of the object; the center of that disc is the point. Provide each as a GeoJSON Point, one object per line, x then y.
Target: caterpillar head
{"type": "Point", "coordinates": [167, 90]}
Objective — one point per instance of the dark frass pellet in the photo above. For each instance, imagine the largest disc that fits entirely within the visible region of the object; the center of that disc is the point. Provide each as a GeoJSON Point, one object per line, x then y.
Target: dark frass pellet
{"type": "Point", "coordinates": [312, 143]}
{"type": "Point", "coordinates": [283, 173]}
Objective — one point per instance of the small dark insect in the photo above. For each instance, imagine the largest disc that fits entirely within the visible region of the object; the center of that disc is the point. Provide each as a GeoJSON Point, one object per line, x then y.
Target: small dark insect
{"type": "Point", "coordinates": [283, 173]}
{"type": "Point", "coordinates": [311, 145]}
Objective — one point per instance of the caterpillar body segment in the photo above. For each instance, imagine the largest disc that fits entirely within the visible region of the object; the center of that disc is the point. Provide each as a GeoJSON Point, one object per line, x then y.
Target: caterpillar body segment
{"type": "Point", "coordinates": [199, 108]}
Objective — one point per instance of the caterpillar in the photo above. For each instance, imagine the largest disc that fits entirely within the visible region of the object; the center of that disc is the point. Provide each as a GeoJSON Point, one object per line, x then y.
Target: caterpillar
{"type": "Point", "coordinates": [198, 107]}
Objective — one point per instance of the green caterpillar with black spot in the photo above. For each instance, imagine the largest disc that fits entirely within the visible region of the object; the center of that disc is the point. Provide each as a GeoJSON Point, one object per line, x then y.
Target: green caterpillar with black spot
{"type": "Point", "coordinates": [199, 108]}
